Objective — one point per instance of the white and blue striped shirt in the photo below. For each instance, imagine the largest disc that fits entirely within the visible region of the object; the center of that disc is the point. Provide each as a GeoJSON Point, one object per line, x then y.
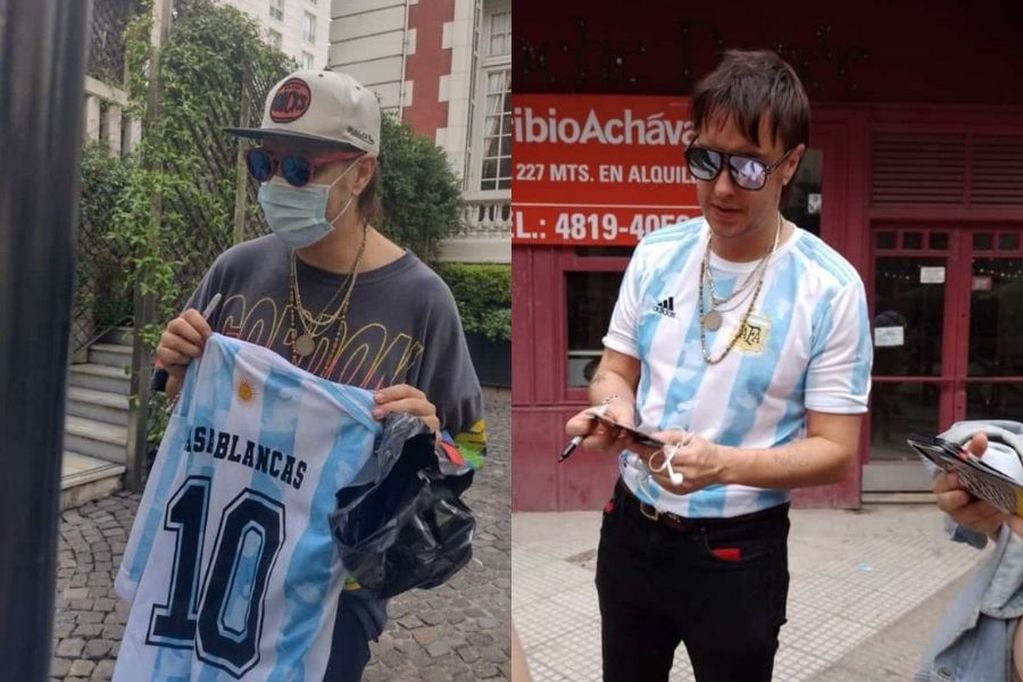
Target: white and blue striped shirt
{"type": "Point", "coordinates": [231, 567]}
{"type": "Point", "coordinates": [809, 349]}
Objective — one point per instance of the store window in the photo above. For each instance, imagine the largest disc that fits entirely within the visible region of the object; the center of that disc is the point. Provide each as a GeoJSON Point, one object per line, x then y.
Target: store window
{"type": "Point", "coordinates": [802, 203]}
{"type": "Point", "coordinates": [995, 360]}
{"type": "Point", "coordinates": [589, 300]}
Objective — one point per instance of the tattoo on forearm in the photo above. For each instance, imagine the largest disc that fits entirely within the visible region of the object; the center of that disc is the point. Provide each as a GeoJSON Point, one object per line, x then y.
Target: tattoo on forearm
{"type": "Point", "coordinates": [598, 378]}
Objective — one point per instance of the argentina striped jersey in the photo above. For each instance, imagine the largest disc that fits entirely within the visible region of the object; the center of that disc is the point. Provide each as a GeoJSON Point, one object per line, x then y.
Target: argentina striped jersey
{"type": "Point", "coordinates": [231, 568]}
{"type": "Point", "coordinates": [806, 347]}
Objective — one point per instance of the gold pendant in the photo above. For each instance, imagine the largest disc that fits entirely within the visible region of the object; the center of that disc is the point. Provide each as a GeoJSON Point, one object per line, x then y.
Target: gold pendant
{"type": "Point", "coordinates": [712, 321]}
{"type": "Point", "coordinates": [305, 345]}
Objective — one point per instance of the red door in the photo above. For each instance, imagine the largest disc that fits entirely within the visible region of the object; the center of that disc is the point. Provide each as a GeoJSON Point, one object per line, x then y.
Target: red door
{"type": "Point", "coordinates": [947, 305]}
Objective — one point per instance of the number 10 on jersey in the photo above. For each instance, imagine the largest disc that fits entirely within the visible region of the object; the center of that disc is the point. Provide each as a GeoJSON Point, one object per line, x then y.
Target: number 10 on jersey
{"type": "Point", "coordinates": [218, 609]}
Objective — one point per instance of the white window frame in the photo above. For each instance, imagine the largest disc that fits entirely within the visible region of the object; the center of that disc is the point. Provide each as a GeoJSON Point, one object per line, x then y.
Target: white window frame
{"type": "Point", "coordinates": [308, 60]}
{"type": "Point", "coordinates": [275, 37]}
{"type": "Point", "coordinates": [277, 10]}
{"type": "Point", "coordinates": [485, 66]}
{"type": "Point", "coordinates": [309, 28]}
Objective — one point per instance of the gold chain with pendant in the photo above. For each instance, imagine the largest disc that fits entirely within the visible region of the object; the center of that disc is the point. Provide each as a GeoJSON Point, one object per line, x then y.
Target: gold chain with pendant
{"type": "Point", "coordinates": [708, 319]}
{"type": "Point", "coordinates": [303, 345]}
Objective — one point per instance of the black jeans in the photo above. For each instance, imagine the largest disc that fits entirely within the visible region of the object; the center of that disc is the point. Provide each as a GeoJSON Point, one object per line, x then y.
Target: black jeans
{"type": "Point", "coordinates": [719, 588]}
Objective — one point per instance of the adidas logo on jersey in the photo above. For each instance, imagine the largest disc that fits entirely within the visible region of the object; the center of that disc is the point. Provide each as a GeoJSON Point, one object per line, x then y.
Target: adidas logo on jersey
{"type": "Point", "coordinates": [666, 307]}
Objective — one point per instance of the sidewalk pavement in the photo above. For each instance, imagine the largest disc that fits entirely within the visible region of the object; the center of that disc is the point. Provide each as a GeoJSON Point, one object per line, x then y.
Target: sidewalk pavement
{"type": "Point", "coordinates": [866, 589]}
{"type": "Point", "coordinates": [458, 631]}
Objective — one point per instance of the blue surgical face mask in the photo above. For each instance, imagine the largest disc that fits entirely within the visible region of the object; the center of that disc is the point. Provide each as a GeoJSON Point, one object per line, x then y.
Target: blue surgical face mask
{"type": "Point", "coordinates": [298, 214]}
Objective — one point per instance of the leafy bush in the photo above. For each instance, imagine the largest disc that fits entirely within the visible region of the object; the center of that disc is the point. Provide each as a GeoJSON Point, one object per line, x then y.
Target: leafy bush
{"type": "Point", "coordinates": [483, 295]}
{"type": "Point", "coordinates": [422, 197]}
{"type": "Point", "coordinates": [100, 290]}
{"type": "Point", "coordinates": [212, 54]}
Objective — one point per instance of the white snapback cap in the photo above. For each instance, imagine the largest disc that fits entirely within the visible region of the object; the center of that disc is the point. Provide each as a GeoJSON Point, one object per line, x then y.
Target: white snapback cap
{"type": "Point", "coordinates": [326, 106]}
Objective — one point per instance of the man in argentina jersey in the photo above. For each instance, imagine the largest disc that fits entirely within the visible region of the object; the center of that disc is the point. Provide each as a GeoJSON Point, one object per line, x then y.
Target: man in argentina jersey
{"type": "Point", "coordinates": [743, 343]}
{"type": "Point", "coordinates": [231, 568]}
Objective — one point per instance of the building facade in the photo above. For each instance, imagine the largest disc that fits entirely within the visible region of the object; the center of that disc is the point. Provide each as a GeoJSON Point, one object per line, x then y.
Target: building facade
{"type": "Point", "coordinates": [443, 66]}
{"type": "Point", "coordinates": [298, 28]}
{"type": "Point", "coordinates": [914, 174]}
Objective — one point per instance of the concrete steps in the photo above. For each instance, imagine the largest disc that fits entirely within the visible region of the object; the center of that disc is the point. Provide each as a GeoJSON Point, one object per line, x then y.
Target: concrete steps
{"type": "Point", "coordinates": [96, 425]}
{"type": "Point", "coordinates": [87, 478]}
{"type": "Point", "coordinates": [100, 406]}
{"type": "Point", "coordinates": [111, 355]}
{"type": "Point", "coordinates": [96, 439]}
{"type": "Point", "coordinates": [100, 378]}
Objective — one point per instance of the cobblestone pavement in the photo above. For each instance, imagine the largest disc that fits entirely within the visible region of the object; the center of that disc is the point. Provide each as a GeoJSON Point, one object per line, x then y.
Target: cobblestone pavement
{"type": "Point", "coordinates": [458, 631]}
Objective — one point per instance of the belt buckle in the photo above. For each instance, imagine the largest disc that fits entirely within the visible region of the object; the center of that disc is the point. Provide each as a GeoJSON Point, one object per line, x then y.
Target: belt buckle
{"type": "Point", "coordinates": [653, 514]}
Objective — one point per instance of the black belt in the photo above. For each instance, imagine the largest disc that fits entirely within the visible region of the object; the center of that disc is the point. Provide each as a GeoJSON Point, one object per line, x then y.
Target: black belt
{"type": "Point", "coordinates": [682, 524]}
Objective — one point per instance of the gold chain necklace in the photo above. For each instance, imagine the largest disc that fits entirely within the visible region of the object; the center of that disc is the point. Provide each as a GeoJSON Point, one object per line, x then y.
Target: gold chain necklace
{"type": "Point", "coordinates": [303, 345]}
{"type": "Point", "coordinates": [704, 266]}
{"type": "Point", "coordinates": [318, 322]}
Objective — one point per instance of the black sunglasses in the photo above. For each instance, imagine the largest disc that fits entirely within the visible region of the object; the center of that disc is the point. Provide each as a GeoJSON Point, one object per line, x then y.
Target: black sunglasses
{"type": "Point", "coordinates": [297, 169]}
{"type": "Point", "coordinates": [746, 172]}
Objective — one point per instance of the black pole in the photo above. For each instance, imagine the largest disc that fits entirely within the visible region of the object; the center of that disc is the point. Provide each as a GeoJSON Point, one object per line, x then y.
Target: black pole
{"type": "Point", "coordinates": [42, 64]}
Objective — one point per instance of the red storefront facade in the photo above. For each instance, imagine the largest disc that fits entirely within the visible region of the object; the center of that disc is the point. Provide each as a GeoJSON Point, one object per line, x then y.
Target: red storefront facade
{"type": "Point", "coordinates": [915, 176]}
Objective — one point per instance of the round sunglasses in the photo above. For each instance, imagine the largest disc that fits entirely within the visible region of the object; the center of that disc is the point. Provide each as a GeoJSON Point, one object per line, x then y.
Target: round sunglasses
{"type": "Point", "coordinates": [297, 169]}
{"type": "Point", "coordinates": [746, 172]}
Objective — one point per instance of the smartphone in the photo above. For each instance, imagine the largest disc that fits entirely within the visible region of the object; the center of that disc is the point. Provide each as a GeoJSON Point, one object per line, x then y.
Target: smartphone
{"type": "Point", "coordinates": [979, 479]}
{"type": "Point", "coordinates": [638, 436]}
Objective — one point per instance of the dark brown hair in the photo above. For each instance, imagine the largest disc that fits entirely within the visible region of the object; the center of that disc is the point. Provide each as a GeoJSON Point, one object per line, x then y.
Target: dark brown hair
{"type": "Point", "coordinates": [371, 209]}
{"type": "Point", "coordinates": [745, 85]}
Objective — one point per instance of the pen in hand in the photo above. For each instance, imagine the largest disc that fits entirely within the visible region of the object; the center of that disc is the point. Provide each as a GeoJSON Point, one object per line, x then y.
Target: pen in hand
{"type": "Point", "coordinates": [575, 442]}
{"type": "Point", "coordinates": [211, 306]}
{"type": "Point", "coordinates": [570, 448]}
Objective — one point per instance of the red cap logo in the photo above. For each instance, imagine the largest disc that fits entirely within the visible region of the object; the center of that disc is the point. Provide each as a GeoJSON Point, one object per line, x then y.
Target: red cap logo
{"type": "Point", "coordinates": [290, 102]}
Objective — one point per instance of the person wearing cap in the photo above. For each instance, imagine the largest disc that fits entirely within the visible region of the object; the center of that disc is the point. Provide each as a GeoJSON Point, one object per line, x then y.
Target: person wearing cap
{"type": "Point", "coordinates": [333, 295]}
{"type": "Point", "coordinates": [742, 343]}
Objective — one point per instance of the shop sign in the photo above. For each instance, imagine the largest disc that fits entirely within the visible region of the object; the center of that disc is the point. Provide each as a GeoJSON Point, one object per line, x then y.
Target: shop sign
{"type": "Point", "coordinates": [599, 169]}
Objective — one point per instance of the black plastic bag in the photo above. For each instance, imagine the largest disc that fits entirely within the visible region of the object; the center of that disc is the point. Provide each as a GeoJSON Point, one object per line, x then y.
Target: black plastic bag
{"type": "Point", "coordinates": [409, 528]}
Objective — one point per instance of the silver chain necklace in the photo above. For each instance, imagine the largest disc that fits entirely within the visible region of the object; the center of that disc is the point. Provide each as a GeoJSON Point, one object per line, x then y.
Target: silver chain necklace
{"type": "Point", "coordinates": [713, 318]}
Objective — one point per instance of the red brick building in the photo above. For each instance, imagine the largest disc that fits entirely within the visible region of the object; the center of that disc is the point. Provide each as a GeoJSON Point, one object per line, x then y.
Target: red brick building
{"type": "Point", "coordinates": [443, 66]}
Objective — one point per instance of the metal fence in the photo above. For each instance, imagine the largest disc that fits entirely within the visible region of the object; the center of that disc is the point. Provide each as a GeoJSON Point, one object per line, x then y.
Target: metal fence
{"type": "Point", "coordinates": [204, 212]}
{"type": "Point", "coordinates": [212, 203]}
{"type": "Point", "coordinates": [106, 39]}
{"type": "Point", "coordinates": [100, 298]}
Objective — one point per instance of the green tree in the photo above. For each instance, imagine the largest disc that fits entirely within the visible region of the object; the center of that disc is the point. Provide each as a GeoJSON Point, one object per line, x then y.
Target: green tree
{"type": "Point", "coordinates": [422, 197]}
{"type": "Point", "coordinates": [212, 59]}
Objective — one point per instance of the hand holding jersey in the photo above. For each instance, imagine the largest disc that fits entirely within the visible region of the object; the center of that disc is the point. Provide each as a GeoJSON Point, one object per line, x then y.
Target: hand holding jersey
{"type": "Point", "coordinates": [181, 342]}
{"type": "Point", "coordinates": [230, 555]}
{"type": "Point", "coordinates": [331, 293]}
{"type": "Point", "coordinates": [407, 399]}
{"type": "Point", "coordinates": [185, 337]}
